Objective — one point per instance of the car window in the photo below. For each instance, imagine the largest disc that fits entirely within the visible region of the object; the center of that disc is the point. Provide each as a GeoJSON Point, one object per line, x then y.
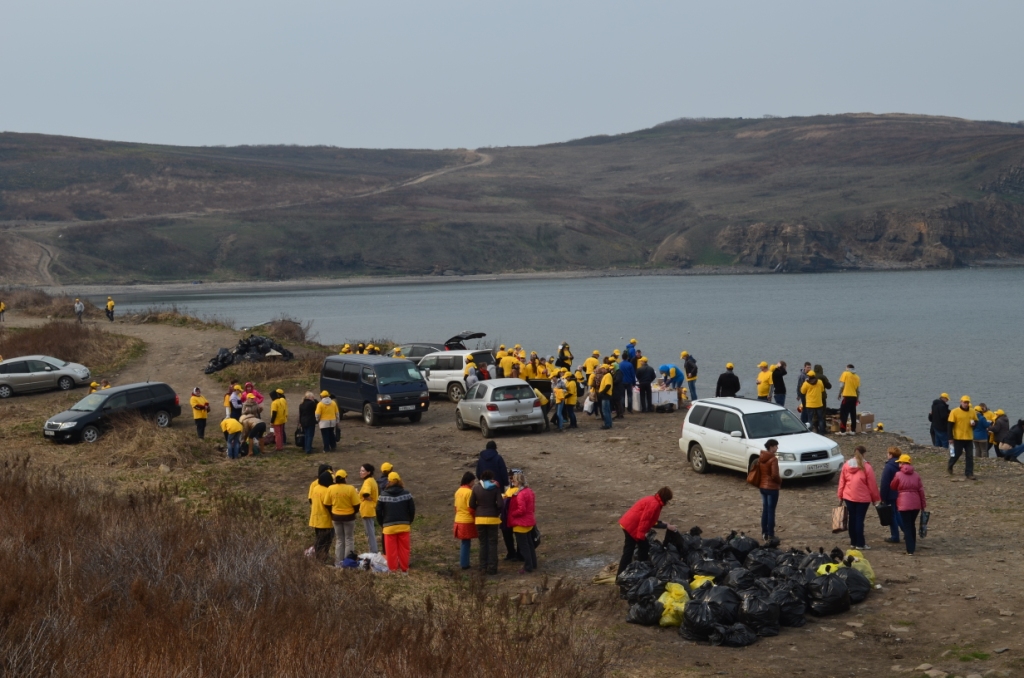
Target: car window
{"type": "Point", "coordinates": [716, 420]}
{"type": "Point", "coordinates": [161, 391]}
{"type": "Point", "coordinates": [368, 376]}
{"type": "Point", "coordinates": [399, 372]}
{"type": "Point", "coordinates": [331, 370]}
{"type": "Point", "coordinates": [773, 424]}
{"type": "Point", "coordinates": [472, 393]}
{"type": "Point", "coordinates": [116, 402]}
{"type": "Point", "coordinates": [523, 392]}
{"type": "Point", "coordinates": [139, 395]}
{"type": "Point", "coordinates": [429, 363]}
{"type": "Point", "coordinates": [56, 362]}
{"type": "Point", "coordinates": [698, 413]}
{"type": "Point", "coordinates": [416, 351]}
{"type": "Point", "coordinates": [449, 362]}
{"type": "Point", "coordinates": [732, 422]}
{"type": "Point", "coordinates": [38, 366]}
{"type": "Point", "coordinates": [89, 403]}
{"type": "Point", "coordinates": [350, 372]}
{"type": "Point", "coordinates": [483, 358]}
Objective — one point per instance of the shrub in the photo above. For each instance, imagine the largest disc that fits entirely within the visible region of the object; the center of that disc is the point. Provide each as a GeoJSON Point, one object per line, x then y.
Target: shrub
{"type": "Point", "coordinates": [40, 304]}
{"type": "Point", "coordinates": [70, 341]}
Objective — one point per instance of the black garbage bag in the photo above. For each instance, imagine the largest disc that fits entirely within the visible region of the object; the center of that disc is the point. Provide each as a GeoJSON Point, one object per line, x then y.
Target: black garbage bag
{"type": "Point", "coordinates": [698, 621]}
{"type": "Point", "coordinates": [634, 573]}
{"type": "Point", "coordinates": [791, 605]}
{"type": "Point", "coordinates": [736, 635]}
{"type": "Point", "coordinates": [646, 588]}
{"type": "Point", "coordinates": [815, 560]}
{"type": "Point", "coordinates": [712, 568]}
{"type": "Point", "coordinates": [761, 562]}
{"type": "Point", "coordinates": [691, 540]}
{"type": "Point", "coordinates": [645, 612]}
{"type": "Point", "coordinates": [716, 544]}
{"type": "Point", "coordinates": [742, 545]}
{"type": "Point", "coordinates": [786, 572]}
{"type": "Point", "coordinates": [725, 602]}
{"type": "Point", "coordinates": [674, 570]}
{"type": "Point", "coordinates": [680, 542]}
{"type": "Point", "coordinates": [827, 595]}
{"type": "Point", "coordinates": [791, 558]}
{"type": "Point", "coordinates": [856, 583]}
{"type": "Point", "coordinates": [740, 579]}
{"type": "Point", "coordinates": [759, 613]}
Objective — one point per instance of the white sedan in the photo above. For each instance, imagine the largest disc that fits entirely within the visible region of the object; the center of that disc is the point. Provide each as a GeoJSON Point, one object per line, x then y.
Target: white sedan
{"type": "Point", "coordinates": [499, 403]}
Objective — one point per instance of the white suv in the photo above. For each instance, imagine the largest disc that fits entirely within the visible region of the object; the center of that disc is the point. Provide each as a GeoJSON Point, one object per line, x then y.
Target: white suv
{"type": "Point", "coordinates": [443, 371]}
{"type": "Point", "coordinates": [731, 432]}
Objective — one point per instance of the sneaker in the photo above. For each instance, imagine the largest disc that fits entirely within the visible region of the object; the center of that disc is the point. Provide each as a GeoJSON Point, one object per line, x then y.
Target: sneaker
{"type": "Point", "coordinates": [890, 540]}
{"type": "Point", "coordinates": [522, 570]}
{"type": "Point", "coordinates": [863, 548]}
{"type": "Point", "coordinates": [949, 470]}
{"type": "Point", "coordinates": [910, 554]}
{"type": "Point", "coordinates": [971, 477]}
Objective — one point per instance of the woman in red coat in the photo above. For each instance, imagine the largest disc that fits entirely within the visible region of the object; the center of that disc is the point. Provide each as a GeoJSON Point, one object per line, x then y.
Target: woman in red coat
{"type": "Point", "coordinates": [638, 520]}
{"type": "Point", "coordinates": [522, 521]}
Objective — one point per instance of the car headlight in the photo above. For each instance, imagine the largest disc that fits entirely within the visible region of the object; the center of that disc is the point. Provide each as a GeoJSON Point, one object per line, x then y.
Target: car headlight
{"type": "Point", "coordinates": [68, 424]}
{"type": "Point", "coordinates": [835, 452]}
{"type": "Point", "coordinates": [787, 456]}
{"type": "Point", "coordinates": [424, 394]}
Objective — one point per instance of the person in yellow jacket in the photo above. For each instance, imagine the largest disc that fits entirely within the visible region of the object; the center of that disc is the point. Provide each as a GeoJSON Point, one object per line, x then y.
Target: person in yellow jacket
{"type": "Point", "coordinates": [343, 500]}
{"type": "Point", "coordinates": [93, 387]}
{"type": "Point", "coordinates": [764, 381]}
{"type": "Point", "coordinates": [545, 407]}
{"type": "Point", "coordinates": [506, 364]}
{"type": "Point", "coordinates": [232, 429]}
{"type": "Point", "coordinates": [961, 423]}
{"type": "Point", "coordinates": [3, 309]}
{"type": "Point", "coordinates": [529, 370]}
{"type": "Point", "coordinates": [465, 519]}
{"type": "Point", "coordinates": [520, 353]}
{"type": "Point", "coordinates": [278, 417]}
{"type": "Point", "coordinates": [558, 393]}
{"type": "Point", "coordinates": [543, 369]}
{"type": "Point", "coordinates": [849, 395]}
{"type": "Point", "coordinates": [572, 389]}
{"type": "Point", "coordinates": [591, 363]}
{"type": "Point", "coordinates": [345, 350]}
{"type": "Point", "coordinates": [327, 417]}
{"type": "Point", "coordinates": [200, 411]}
{"type": "Point", "coordinates": [470, 364]}
{"type": "Point", "coordinates": [814, 391]}
{"type": "Point", "coordinates": [605, 394]}
{"type": "Point", "coordinates": [110, 309]}
{"type": "Point", "coordinates": [501, 353]}
{"type": "Point", "coordinates": [320, 513]}
{"type": "Point", "coordinates": [369, 492]}
{"type": "Point", "coordinates": [104, 385]}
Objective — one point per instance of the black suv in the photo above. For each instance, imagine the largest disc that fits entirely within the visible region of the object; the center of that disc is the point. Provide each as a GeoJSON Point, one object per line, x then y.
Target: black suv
{"type": "Point", "coordinates": [92, 414]}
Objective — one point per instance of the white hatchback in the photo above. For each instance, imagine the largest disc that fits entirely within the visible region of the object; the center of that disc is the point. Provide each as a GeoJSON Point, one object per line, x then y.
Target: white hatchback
{"type": "Point", "coordinates": [731, 432]}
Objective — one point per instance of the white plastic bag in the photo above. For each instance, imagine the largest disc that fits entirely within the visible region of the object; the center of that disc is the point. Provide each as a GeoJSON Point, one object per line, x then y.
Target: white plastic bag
{"type": "Point", "coordinates": [374, 562]}
{"type": "Point", "coordinates": [588, 405]}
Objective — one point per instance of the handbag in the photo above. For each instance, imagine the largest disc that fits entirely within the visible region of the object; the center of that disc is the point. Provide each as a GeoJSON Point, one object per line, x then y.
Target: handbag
{"type": "Point", "coordinates": [840, 519]}
{"type": "Point", "coordinates": [923, 530]}
{"type": "Point", "coordinates": [535, 536]}
{"type": "Point", "coordinates": [754, 476]}
{"type": "Point", "coordinates": [300, 437]}
{"type": "Point", "coordinates": [884, 513]}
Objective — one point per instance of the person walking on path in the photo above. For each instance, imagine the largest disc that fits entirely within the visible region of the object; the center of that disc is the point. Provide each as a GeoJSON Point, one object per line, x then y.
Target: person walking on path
{"type": "Point", "coordinates": [522, 521]}
{"type": "Point", "coordinates": [637, 521]}
{"type": "Point", "coordinates": [939, 418]}
{"type": "Point", "coordinates": [327, 417]}
{"type": "Point", "coordinates": [487, 503]}
{"type": "Point", "coordinates": [343, 500]}
{"type": "Point", "coordinates": [779, 383]}
{"type": "Point", "coordinates": [396, 512]}
{"type": "Point", "coordinates": [764, 381]}
{"type": "Point", "coordinates": [910, 500]}
{"type": "Point", "coordinates": [490, 460]}
{"type": "Point", "coordinates": [79, 310]}
{"type": "Point", "coordinates": [888, 495]}
{"type": "Point", "coordinates": [200, 411]}
{"type": "Point", "coordinates": [320, 515]}
{"type": "Point", "coordinates": [858, 489]}
{"type": "Point", "coordinates": [813, 391]}
{"type": "Point", "coordinates": [645, 376]}
{"type": "Point", "coordinates": [728, 383]}
{"type": "Point", "coordinates": [464, 529]}
{"type": "Point", "coordinates": [110, 309]}
{"type": "Point", "coordinates": [960, 427]}
{"type": "Point", "coordinates": [805, 416]}
{"type": "Point", "coordinates": [628, 372]}
{"type": "Point", "coordinates": [279, 418]}
{"type": "Point", "coordinates": [849, 391]}
{"type": "Point", "coordinates": [769, 487]}
{"type": "Point", "coordinates": [307, 420]}
{"type": "Point", "coordinates": [690, 368]}
{"type": "Point", "coordinates": [369, 493]}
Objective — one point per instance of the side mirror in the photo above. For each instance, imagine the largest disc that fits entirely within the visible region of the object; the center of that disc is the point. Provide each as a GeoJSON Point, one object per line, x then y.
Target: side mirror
{"type": "Point", "coordinates": [737, 434]}
{"type": "Point", "coordinates": [426, 372]}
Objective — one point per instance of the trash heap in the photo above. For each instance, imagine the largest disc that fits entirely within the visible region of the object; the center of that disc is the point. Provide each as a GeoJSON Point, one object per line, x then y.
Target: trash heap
{"type": "Point", "coordinates": [730, 590]}
{"type": "Point", "coordinates": [252, 349]}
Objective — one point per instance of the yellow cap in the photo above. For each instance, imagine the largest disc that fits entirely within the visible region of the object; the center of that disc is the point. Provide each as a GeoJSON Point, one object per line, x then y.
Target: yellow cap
{"type": "Point", "coordinates": [729, 366]}
{"type": "Point", "coordinates": [341, 473]}
{"type": "Point", "coordinates": [632, 341]}
{"type": "Point", "coordinates": [469, 358]}
{"type": "Point", "coordinates": [394, 477]}
{"type": "Point", "coordinates": [324, 394]}
{"type": "Point", "coordinates": [810, 373]}
{"type": "Point", "coordinates": [347, 346]}
{"type": "Point", "coordinates": [684, 354]}
{"type": "Point", "coordinates": [764, 364]}
{"type": "Point", "coordinates": [643, 359]}
{"type": "Point", "coordinates": [518, 346]}
{"type": "Point", "coordinates": [279, 391]}
{"type": "Point", "coordinates": [94, 384]}
{"type": "Point", "coordinates": [1000, 413]}
{"type": "Point", "coordinates": [945, 395]}
{"type": "Point", "coordinates": [904, 459]}
{"type": "Point", "coordinates": [386, 467]}
{"type": "Point", "coordinates": [616, 352]}
{"type": "Point", "coordinates": [965, 399]}
{"type": "Point", "coordinates": [880, 426]}
{"type": "Point", "coordinates": [237, 387]}
{"type": "Point", "coordinates": [596, 353]}
{"type": "Point", "coordinates": [502, 347]}
{"type": "Point", "coordinates": [977, 408]}
{"type": "Point", "coordinates": [251, 396]}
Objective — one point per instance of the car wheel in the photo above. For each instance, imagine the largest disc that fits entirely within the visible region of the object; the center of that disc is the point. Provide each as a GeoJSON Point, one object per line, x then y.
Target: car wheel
{"type": "Point", "coordinates": [698, 461]}
{"type": "Point", "coordinates": [459, 423]}
{"type": "Point", "coordinates": [455, 392]}
{"type": "Point", "coordinates": [65, 383]}
{"type": "Point", "coordinates": [415, 418]}
{"type": "Point", "coordinates": [485, 430]}
{"type": "Point", "coordinates": [6, 391]}
{"type": "Point", "coordinates": [830, 477]}
{"type": "Point", "coordinates": [751, 464]}
{"type": "Point", "coordinates": [369, 417]}
{"type": "Point", "coordinates": [90, 434]}
{"type": "Point", "coordinates": [163, 419]}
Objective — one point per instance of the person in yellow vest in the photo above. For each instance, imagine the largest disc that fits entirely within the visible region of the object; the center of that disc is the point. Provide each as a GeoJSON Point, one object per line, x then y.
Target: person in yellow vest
{"type": "Point", "coordinates": [506, 365]}
{"type": "Point", "coordinates": [501, 353]}
{"type": "Point", "coordinates": [465, 520]}
{"type": "Point", "coordinates": [232, 429]}
{"type": "Point", "coordinates": [200, 411]}
{"type": "Point", "coordinates": [368, 494]}
{"type": "Point", "coordinates": [3, 309]}
{"type": "Point", "coordinates": [345, 350]}
{"type": "Point", "coordinates": [591, 363]}
{"type": "Point", "coordinates": [961, 423]}
{"type": "Point", "coordinates": [572, 387]}
{"type": "Point", "coordinates": [110, 309]}
{"type": "Point", "coordinates": [764, 381]}
{"type": "Point", "coordinates": [320, 513]}
{"type": "Point", "coordinates": [278, 417]}
{"type": "Point", "coordinates": [343, 500]}
{"type": "Point", "coordinates": [814, 391]}
{"type": "Point", "coordinates": [849, 396]}
{"type": "Point", "coordinates": [605, 392]}
{"type": "Point", "coordinates": [529, 370]}
{"type": "Point", "coordinates": [93, 387]}
{"type": "Point", "coordinates": [558, 392]}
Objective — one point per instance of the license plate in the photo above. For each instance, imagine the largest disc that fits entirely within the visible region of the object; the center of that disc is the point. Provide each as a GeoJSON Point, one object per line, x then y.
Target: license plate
{"type": "Point", "coordinates": [49, 433]}
{"type": "Point", "coordinates": [406, 408]}
{"type": "Point", "coordinates": [817, 467]}
{"type": "Point", "coordinates": [517, 417]}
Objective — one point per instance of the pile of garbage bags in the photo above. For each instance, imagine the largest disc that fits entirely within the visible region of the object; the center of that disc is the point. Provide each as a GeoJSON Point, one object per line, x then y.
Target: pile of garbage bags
{"type": "Point", "coordinates": [253, 349]}
{"type": "Point", "coordinates": [731, 590]}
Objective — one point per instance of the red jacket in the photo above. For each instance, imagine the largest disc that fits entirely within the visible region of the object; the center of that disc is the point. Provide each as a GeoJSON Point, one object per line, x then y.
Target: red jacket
{"type": "Point", "coordinates": [911, 491]}
{"type": "Point", "coordinates": [644, 515]}
{"type": "Point", "coordinates": [520, 509]}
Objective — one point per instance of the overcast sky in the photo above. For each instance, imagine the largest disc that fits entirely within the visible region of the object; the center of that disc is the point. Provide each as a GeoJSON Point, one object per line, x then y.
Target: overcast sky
{"type": "Point", "coordinates": [469, 74]}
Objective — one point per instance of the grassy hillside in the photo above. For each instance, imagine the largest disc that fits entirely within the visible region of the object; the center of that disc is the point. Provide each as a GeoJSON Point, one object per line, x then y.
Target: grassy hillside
{"type": "Point", "coordinates": [819, 193]}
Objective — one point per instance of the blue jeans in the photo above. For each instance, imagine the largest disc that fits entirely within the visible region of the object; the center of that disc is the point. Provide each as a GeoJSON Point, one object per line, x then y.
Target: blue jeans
{"type": "Point", "coordinates": [908, 520]}
{"type": "Point", "coordinates": [1014, 453]}
{"type": "Point", "coordinates": [858, 511]}
{"type": "Point", "coordinates": [559, 417]}
{"type": "Point", "coordinates": [308, 432]}
{"type": "Point", "coordinates": [464, 553]}
{"type": "Point", "coordinates": [692, 385]}
{"type": "Point", "coordinates": [234, 445]}
{"type": "Point", "coordinates": [606, 411]}
{"type": "Point", "coordinates": [571, 411]}
{"type": "Point", "coordinates": [805, 416]}
{"type": "Point", "coordinates": [769, 501]}
{"type": "Point", "coordinates": [941, 439]}
{"type": "Point", "coordinates": [780, 399]}
{"type": "Point", "coordinates": [895, 525]}
{"type": "Point", "coordinates": [629, 396]}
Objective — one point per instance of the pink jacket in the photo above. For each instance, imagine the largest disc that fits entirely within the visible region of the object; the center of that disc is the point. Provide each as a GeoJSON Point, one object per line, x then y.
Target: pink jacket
{"type": "Point", "coordinates": [520, 510]}
{"type": "Point", "coordinates": [858, 485]}
{"type": "Point", "coordinates": [911, 491]}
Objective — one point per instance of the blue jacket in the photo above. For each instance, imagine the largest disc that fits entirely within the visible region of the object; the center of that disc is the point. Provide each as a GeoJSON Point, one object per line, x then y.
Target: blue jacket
{"type": "Point", "coordinates": [630, 352]}
{"type": "Point", "coordinates": [490, 460]}
{"type": "Point", "coordinates": [890, 470]}
{"type": "Point", "coordinates": [628, 372]}
{"type": "Point", "coordinates": [981, 428]}
{"type": "Point", "coordinates": [680, 377]}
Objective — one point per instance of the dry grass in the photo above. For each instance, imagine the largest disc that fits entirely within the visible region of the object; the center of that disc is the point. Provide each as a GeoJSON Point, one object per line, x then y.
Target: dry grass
{"type": "Point", "coordinates": [289, 329]}
{"type": "Point", "coordinates": [271, 374]}
{"type": "Point", "coordinates": [170, 315]}
{"type": "Point", "coordinates": [40, 304]}
{"type": "Point", "coordinates": [132, 585]}
{"type": "Point", "coordinates": [70, 341]}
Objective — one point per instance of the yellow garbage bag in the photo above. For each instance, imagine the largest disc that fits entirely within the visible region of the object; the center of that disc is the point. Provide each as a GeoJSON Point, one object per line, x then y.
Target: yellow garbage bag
{"type": "Point", "coordinates": [699, 580]}
{"type": "Point", "coordinates": [861, 564]}
{"type": "Point", "coordinates": [828, 568]}
{"type": "Point", "coordinates": [674, 600]}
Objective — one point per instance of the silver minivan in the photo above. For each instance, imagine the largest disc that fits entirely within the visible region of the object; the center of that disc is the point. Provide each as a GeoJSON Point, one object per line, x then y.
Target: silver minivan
{"type": "Point", "coordinates": [499, 403]}
{"type": "Point", "coordinates": [443, 371]}
{"type": "Point", "coordinates": [40, 373]}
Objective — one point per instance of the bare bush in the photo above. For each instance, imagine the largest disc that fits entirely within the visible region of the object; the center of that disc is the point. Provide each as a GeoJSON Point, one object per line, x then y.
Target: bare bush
{"type": "Point", "coordinates": [40, 304]}
{"type": "Point", "coordinates": [171, 315]}
{"type": "Point", "coordinates": [69, 341]}
{"type": "Point", "coordinates": [286, 328]}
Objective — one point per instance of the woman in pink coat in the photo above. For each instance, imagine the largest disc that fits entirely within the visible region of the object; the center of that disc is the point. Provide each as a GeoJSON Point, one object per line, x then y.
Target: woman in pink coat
{"type": "Point", "coordinates": [857, 487]}
{"type": "Point", "coordinates": [910, 501]}
{"type": "Point", "coordinates": [522, 521]}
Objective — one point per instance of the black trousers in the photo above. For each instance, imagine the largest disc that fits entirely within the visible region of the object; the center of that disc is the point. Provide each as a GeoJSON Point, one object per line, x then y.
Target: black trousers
{"type": "Point", "coordinates": [645, 398]}
{"type": "Point", "coordinates": [488, 535]}
{"type": "Point", "coordinates": [630, 546]}
{"type": "Point", "coordinates": [201, 428]}
{"type": "Point", "coordinates": [848, 408]}
{"type": "Point", "coordinates": [525, 543]}
{"type": "Point", "coordinates": [619, 403]}
{"type": "Point", "coordinates": [965, 448]}
{"type": "Point", "coordinates": [510, 542]}
{"type": "Point", "coordinates": [322, 542]}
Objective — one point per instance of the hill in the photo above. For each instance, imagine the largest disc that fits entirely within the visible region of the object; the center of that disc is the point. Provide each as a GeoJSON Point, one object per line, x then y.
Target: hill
{"type": "Point", "coordinates": [800, 194]}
